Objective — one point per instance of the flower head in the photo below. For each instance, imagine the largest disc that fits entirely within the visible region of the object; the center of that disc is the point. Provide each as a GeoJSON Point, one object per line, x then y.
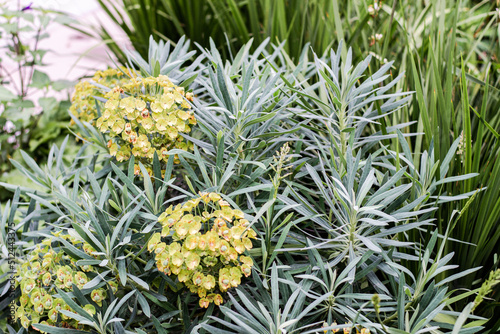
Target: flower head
{"type": "Point", "coordinates": [28, 7]}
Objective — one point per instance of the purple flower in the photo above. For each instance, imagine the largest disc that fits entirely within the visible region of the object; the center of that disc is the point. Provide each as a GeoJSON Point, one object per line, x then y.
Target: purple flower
{"type": "Point", "coordinates": [28, 7]}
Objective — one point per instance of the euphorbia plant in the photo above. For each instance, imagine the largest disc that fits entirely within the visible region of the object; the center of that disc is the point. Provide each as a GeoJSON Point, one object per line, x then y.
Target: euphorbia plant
{"type": "Point", "coordinates": [233, 239]}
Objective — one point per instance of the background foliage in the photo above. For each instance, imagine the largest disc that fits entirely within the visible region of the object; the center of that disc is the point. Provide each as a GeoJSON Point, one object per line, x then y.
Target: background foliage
{"type": "Point", "coordinates": [31, 117]}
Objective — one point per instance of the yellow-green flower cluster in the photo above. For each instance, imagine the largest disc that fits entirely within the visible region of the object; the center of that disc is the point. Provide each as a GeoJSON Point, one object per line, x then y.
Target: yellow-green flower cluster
{"type": "Point", "coordinates": [144, 116]}
{"type": "Point", "coordinates": [208, 239]}
{"type": "Point", "coordinates": [345, 330]}
{"type": "Point", "coordinates": [83, 101]}
{"type": "Point", "coordinates": [38, 278]}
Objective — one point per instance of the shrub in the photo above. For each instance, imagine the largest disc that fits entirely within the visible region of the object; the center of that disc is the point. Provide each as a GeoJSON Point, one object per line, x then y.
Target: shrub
{"type": "Point", "coordinates": [427, 40]}
{"type": "Point", "coordinates": [290, 211]}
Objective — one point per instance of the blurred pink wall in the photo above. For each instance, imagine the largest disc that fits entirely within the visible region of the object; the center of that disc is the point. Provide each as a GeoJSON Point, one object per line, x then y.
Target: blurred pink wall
{"type": "Point", "coordinates": [73, 54]}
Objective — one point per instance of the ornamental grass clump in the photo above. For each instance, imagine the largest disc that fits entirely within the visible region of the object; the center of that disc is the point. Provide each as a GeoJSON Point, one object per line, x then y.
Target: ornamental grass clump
{"type": "Point", "coordinates": [145, 116]}
{"type": "Point", "coordinates": [208, 239]}
{"type": "Point", "coordinates": [45, 271]}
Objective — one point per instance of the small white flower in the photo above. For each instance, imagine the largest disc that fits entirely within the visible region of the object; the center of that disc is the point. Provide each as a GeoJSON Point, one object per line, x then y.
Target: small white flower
{"type": "Point", "coordinates": [11, 139]}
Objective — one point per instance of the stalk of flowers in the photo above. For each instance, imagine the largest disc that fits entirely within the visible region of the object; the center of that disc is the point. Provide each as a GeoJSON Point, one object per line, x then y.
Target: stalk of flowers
{"type": "Point", "coordinates": [83, 103]}
{"type": "Point", "coordinates": [44, 270]}
{"type": "Point", "coordinates": [202, 242]}
{"type": "Point", "coordinates": [145, 116]}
